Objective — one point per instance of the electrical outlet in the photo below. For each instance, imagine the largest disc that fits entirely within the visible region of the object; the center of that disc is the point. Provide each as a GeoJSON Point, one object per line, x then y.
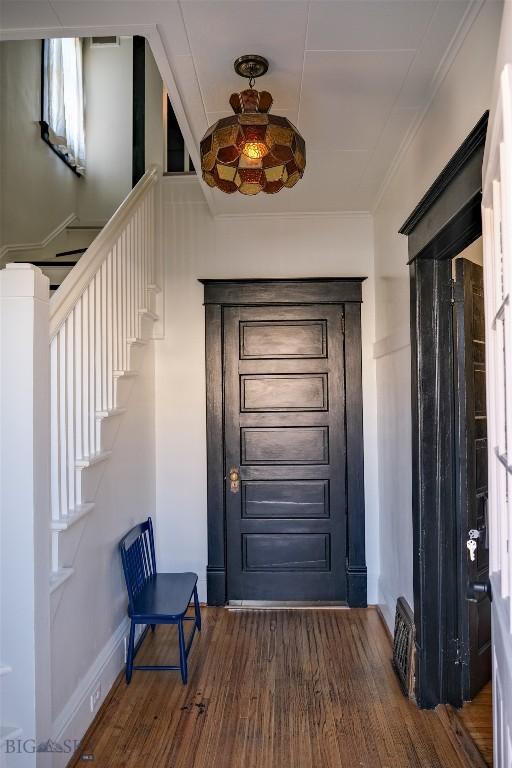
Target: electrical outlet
{"type": "Point", "coordinates": [95, 697]}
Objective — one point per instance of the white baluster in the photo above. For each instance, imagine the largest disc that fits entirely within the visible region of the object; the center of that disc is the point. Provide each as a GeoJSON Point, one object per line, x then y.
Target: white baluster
{"type": "Point", "coordinates": [98, 359]}
{"type": "Point", "coordinates": [90, 342]}
{"type": "Point", "coordinates": [92, 368]}
{"type": "Point", "coordinates": [105, 338]}
{"type": "Point", "coordinates": [144, 253]}
{"type": "Point", "coordinates": [55, 431]}
{"type": "Point", "coordinates": [85, 373]}
{"type": "Point", "coordinates": [138, 251]}
{"type": "Point", "coordinates": [110, 335]}
{"type": "Point", "coordinates": [151, 242]}
{"type": "Point", "coordinates": [123, 283]}
{"type": "Point", "coordinates": [70, 402]}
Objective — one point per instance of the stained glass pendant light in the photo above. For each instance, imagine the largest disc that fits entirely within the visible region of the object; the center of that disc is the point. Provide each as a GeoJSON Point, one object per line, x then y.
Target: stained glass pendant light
{"type": "Point", "coordinates": [252, 151]}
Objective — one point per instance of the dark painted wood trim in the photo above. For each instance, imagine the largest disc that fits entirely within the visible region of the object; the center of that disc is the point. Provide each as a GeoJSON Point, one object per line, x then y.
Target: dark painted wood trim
{"type": "Point", "coordinates": [356, 564]}
{"type": "Point", "coordinates": [313, 291]}
{"type": "Point", "coordinates": [139, 109]}
{"type": "Point", "coordinates": [474, 141]}
{"type": "Point", "coordinates": [216, 568]}
{"type": "Point", "coordinates": [224, 293]}
{"type": "Point", "coordinates": [446, 221]}
{"type": "Point", "coordinates": [457, 234]}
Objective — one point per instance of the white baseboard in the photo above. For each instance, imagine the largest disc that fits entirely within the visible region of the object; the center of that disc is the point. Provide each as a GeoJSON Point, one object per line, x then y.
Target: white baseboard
{"type": "Point", "coordinates": [76, 717]}
{"type": "Point", "coordinates": [372, 588]}
{"type": "Point", "coordinates": [5, 250]}
{"type": "Point", "coordinates": [201, 589]}
{"type": "Point", "coordinates": [387, 605]}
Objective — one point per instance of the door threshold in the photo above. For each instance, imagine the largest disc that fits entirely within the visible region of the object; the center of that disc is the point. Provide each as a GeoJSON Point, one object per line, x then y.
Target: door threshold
{"type": "Point", "coordinates": [286, 605]}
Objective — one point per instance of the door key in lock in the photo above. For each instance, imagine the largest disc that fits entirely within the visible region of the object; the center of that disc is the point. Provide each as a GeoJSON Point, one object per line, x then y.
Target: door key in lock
{"type": "Point", "coordinates": [471, 545]}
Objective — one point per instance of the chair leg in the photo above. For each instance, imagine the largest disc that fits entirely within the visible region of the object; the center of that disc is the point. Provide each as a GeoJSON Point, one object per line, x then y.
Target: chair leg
{"type": "Point", "coordinates": [183, 652]}
{"type": "Point", "coordinates": [197, 609]}
{"type": "Point", "coordinates": [129, 654]}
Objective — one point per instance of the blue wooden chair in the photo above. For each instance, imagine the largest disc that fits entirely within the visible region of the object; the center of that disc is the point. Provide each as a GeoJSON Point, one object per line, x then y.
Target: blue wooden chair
{"type": "Point", "coordinates": [155, 598]}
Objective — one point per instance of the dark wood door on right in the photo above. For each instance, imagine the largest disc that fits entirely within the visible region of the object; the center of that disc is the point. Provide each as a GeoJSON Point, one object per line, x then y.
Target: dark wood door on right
{"type": "Point", "coordinates": [471, 485]}
{"type": "Point", "coordinates": [284, 394]}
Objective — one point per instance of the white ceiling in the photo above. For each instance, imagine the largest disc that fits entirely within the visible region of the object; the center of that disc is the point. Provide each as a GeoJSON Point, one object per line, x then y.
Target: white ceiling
{"type": "Point", "coordinates": [354, 76]}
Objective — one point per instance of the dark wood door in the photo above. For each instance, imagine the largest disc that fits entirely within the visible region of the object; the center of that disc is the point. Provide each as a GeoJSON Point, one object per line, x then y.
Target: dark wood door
{"type": "Point", "coordinates": [284, 416]}
{"type": "Point", "coordinates": [472, 472]}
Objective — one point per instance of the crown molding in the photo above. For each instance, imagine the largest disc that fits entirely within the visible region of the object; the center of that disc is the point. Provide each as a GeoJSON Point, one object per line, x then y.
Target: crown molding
{"type": "Point", "coordinates": [342, 214]}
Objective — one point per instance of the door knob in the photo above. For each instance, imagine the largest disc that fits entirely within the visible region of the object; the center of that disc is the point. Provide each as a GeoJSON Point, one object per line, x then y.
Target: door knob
{"type": "Point", "coordinates": [234, 479]}
{"type": "Point", "coordinates": [476, 588]}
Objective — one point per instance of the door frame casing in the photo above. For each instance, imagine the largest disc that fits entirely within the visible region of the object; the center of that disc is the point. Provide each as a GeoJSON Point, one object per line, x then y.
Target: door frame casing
{"type": "Point", "coordinates": [219, 294]}
{"type": "Point", "coordinates": [444, 223]}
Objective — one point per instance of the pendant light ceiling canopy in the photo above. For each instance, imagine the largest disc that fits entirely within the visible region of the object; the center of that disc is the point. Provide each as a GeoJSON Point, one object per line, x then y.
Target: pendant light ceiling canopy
{"type": "Point", "coordinates": [252, 151]}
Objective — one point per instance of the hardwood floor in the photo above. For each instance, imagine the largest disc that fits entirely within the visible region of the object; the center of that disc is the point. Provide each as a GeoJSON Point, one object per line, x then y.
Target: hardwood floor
{"type": "Point", "coordinates": [271, 689]}
{"type": "Point", "coordinates": [476, 716]}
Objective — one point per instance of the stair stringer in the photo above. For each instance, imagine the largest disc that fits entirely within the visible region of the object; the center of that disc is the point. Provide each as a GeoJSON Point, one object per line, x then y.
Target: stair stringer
{"type": "Point", "coordinates": [68, 530]}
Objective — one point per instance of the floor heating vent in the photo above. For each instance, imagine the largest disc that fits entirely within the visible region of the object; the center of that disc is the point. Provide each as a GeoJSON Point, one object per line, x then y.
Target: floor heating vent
{"type": "Point", "coordinates": [403, 646]}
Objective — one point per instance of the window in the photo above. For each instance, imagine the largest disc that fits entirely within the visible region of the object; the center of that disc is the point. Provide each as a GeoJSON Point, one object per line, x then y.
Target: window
{"type": "Point", "coordinates": [177, 158]}
{"type": "Point", "coordinates": [62, 100]}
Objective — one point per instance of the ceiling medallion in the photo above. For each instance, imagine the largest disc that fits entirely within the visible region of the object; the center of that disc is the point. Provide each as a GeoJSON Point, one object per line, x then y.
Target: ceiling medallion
{"type": "Point", "coordinates": [252, 151]}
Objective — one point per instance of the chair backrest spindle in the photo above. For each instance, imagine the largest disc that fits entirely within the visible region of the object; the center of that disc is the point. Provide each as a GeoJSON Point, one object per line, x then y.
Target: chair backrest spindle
{"type": "Point", "coordinates": [137, 549]}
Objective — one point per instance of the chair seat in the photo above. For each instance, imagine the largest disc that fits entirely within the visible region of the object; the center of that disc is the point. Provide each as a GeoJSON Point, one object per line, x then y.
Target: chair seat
{"type": "Point", "coordinates": [166, 595]}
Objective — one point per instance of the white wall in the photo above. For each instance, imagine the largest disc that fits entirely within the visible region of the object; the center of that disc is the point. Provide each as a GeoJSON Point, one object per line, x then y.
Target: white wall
{"type": "Point", "coordinates": [108, 77]}
{"type": "Point", "coordinates": [460, 101]}
{"type": "Point", "coordinates": [197, 246]}
{"type": "Point", "coordinates": [37, 191]}
{"type": "Point", "coordinates": [108, 129]}
{"type": "Point", "coordinates": [89, 611]}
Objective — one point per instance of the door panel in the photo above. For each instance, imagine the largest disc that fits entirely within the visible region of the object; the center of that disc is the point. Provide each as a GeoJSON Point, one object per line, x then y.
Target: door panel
{"type": "Point", "coordinates": [285, 551]}
{"type": "Point", "coordinates": [286, 499]}
{"type": "Point", "coordinates": [280, 339]}
{"type": "Point", "coordinates": [472, 477]}
{"type": "Point", "coordinates": [285, 445]}
{"type": "Point", "coordinates": [290, 392]}
{"type": "Point", "coordinates": [284, 405]}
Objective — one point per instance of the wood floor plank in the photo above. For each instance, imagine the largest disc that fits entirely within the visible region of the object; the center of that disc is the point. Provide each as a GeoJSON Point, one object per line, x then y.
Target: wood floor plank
{"type": "Point", "coordinates": [271, 689]}
{"type": "Point", "coordinates": [476, 716]}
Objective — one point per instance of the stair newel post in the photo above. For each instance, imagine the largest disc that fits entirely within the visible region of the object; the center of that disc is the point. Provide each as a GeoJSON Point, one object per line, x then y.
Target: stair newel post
{"type": "Point", "coordinates": [25, 515]}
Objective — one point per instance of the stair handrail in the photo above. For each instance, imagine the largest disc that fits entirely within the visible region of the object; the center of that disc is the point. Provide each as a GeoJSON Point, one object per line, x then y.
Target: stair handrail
{"type": "Point", "coordinates": [74, 284]}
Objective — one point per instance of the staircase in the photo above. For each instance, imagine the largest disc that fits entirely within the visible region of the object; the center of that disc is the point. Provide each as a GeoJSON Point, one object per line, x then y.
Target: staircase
{"type": "Point", "coordinates": [100, 321]}
{"type": "Point", "coordinates": [105, 302]}
{"type": "Point", "coordinates": [57, 258]}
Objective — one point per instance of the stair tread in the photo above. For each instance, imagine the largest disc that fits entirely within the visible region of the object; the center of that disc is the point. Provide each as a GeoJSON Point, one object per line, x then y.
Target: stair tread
{"type": "Point", "coordinates": [73, 516]}
{"type": "Point", "coordinates": [51, 264]}
{"type": "Point", "coordinates": [58, 578]}
{"type": "Point", "coordinates": [72, 252]}
{"type": "Point", "coordinates": [111, 412]}
{"type": "Point", "coordinates": [89, 461]}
